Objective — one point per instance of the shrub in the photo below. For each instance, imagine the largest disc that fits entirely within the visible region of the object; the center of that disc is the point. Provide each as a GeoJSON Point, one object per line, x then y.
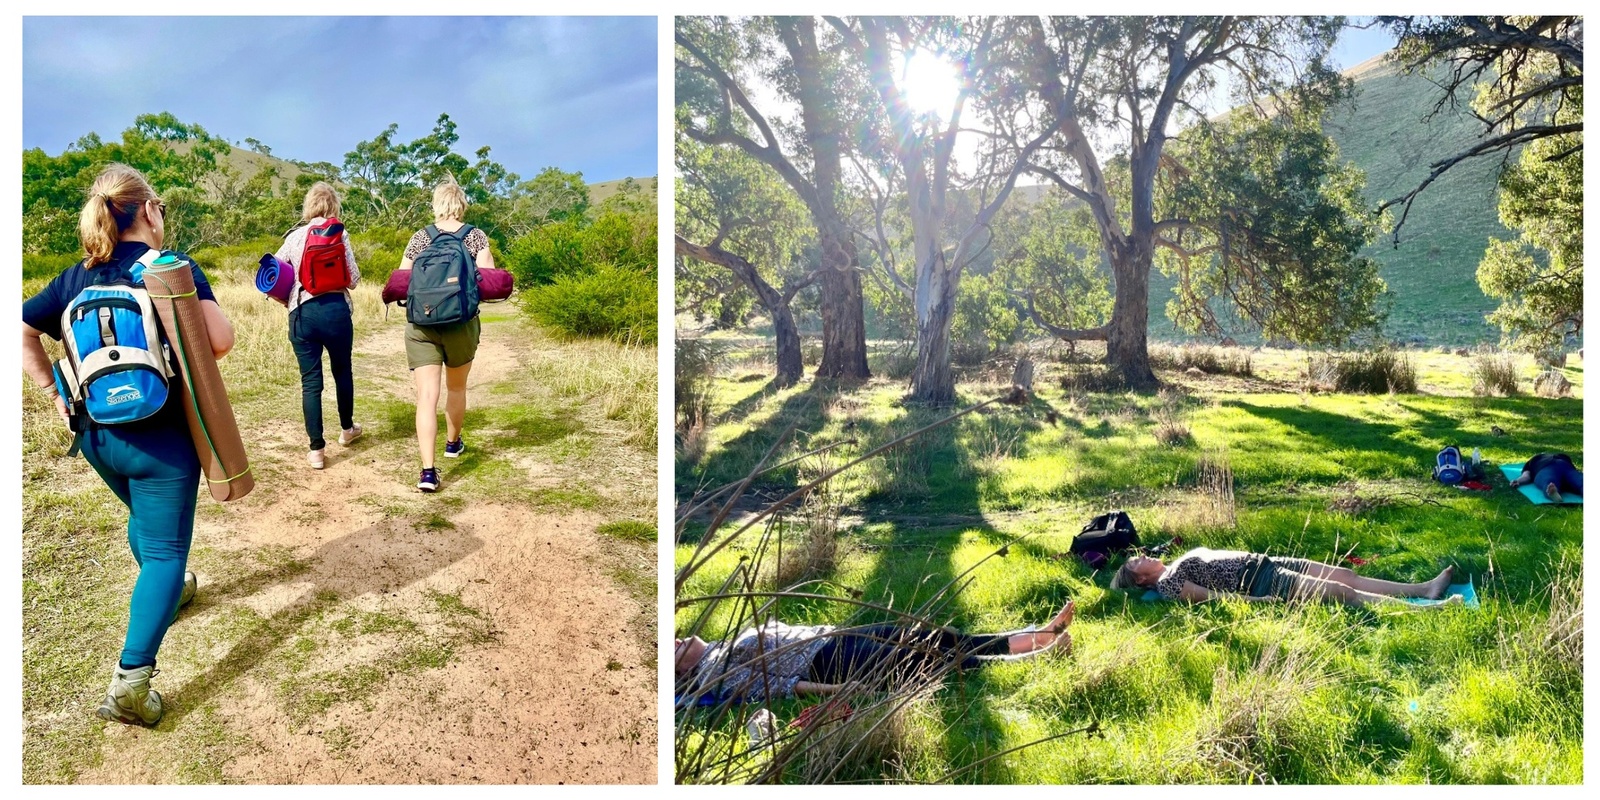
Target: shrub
{"type": "Point", "coordinates": [1210, 360]}
{"type": "Point", "coordinates": [611, 302]}
{"type": "Point", "coordinates": [694, 367]}
{"type": "Point", "coordinates": [36, 265]}
{"type": "Point", "coordinates": [1494, 373]}
{"type": "Point", "coordinates": [1372, 372]}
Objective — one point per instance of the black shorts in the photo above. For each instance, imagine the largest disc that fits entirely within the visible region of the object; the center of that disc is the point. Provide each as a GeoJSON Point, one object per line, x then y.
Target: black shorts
{"type": "Point", "coordinates": [1277, 577]}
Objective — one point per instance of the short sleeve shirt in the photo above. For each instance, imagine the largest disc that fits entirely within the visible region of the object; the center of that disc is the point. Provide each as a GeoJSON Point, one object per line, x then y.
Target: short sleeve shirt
{"type": "Point", "coordinates": [476, 241]}
{"type": "Point", "coordinates": [1215, 570]}
{"type": "Point", "coordinates": [43, 311]}
{"type": "Point", "coordinates": [764, 662]}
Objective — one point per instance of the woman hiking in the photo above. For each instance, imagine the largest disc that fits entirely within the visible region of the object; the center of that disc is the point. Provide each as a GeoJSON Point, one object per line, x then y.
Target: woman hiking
{"type": "Point", "coordinates": [149, 463]}
{"type": "Point", "coordinates": [320, 315]}
{"type": "Point", "coordinates": [1204, 574]}
{"type": "Point", "coordinates": [453, 247]}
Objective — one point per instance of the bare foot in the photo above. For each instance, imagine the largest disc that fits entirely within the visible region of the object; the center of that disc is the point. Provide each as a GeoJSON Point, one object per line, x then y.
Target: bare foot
{"type": "Point", "coordinates": [1440, 584]}
{"type": "Point", "coordinates": [1059, 623]}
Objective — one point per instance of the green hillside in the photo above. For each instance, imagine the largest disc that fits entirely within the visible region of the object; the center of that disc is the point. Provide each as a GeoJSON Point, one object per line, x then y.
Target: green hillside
{"type": "Point", "coordinates": [1390, 131]}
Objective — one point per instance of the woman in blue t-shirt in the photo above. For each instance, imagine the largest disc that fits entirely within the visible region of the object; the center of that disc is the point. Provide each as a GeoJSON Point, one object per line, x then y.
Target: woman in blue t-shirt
{"type": "Point", "coordinates": [150, 464]}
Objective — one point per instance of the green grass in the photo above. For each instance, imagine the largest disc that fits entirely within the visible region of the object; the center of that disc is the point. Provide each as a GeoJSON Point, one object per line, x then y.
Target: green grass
{"type": "Point", "coordinates": [1222, 692]}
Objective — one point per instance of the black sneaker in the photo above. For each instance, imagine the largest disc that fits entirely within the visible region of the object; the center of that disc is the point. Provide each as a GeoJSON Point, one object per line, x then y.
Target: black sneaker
{"type": "Point", "coordinates": [429, 481]}
{"type": "Point", "coordinates": [454, 449]}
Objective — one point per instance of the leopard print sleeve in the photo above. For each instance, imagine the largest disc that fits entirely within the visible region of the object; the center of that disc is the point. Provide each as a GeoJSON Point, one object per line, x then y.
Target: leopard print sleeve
{"type": "Point", "coordinates": [1170, 586]}
{"type": "Point", "coordinates": [476, 241]}
{"type": "Point", "coordinates": [419, 242]}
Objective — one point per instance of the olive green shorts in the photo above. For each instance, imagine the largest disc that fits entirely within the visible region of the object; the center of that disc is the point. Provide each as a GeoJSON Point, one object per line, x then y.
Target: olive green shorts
{"type": "Point", "coordinates": [452, 345]}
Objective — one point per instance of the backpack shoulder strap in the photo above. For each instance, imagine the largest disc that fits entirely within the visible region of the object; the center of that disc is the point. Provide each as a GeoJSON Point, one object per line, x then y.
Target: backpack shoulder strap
{"type": "Point", "coordinates": [433, 232]}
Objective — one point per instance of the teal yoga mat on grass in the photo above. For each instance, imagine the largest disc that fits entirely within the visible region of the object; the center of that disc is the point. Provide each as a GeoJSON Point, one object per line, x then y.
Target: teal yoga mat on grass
{"type": "Point", "coordinates": [1534, 494]}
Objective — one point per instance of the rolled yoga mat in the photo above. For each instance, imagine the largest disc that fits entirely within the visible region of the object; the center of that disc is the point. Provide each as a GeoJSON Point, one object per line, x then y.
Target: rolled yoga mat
{"type": "Point", "coordinates": [200, 388]}
{"type": "Point", "coordinates": [275, 278]}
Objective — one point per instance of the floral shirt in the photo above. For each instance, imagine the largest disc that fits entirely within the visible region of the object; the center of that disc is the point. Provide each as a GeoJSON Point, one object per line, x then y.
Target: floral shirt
{"type": "Point", "coordinates": [294, 247]}
{"type": "Point", "coordinates": [763, 662]}
{"type": "Point", "coordinates": [1215, 570]}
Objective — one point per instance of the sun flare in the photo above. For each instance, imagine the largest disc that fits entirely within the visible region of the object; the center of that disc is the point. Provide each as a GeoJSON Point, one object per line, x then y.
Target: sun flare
{"type": "Point", "coordinates": [931, 83]}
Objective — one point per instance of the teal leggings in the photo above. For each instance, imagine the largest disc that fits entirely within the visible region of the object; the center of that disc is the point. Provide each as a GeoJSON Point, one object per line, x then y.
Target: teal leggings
{"type": "Point", "coordinates": [156, 474]}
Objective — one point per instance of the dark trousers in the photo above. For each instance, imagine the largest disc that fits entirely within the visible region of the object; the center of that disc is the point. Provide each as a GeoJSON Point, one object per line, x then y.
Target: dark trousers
{"type": "Point", "coordinates": [894, 651]}
{"type": "Point", "coordinates": [323, 323]}
{"type": "Point", "coordinates": [1566, 477]}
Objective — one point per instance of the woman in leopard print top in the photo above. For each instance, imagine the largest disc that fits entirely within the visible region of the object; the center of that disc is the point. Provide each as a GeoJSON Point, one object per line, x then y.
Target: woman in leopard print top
{"type": "Point", "coordinates": [1202, 574]}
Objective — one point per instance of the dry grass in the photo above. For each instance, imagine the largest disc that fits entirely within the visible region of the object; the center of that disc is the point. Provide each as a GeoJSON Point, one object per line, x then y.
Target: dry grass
{"type": "Point", "coordinates": [1214, 480]}
{"type": "Point", "coordinates": [1171, 428]}
{"type": "Point", "coordinates": [1208, 359]}
{"type": "Point", "coordinates": [807, 543]}
{"type": "Point", "coordinates": [1375, 372]}
{"type": "Point", "coordinates": [1494, 374]}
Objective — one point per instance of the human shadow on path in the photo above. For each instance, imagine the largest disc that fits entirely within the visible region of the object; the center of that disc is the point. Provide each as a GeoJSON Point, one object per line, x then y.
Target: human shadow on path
{"type": "Point", "coordinates": [378, 559]}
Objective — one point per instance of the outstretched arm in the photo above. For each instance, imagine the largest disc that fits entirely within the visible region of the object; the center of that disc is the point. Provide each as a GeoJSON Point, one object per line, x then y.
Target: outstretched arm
{"type": "Point", "coordinates": [811, 687]}
{"type": "Point", "coordinates": [36, 363]}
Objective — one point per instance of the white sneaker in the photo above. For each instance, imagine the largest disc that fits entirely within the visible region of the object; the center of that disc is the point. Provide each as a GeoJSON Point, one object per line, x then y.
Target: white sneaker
{"type": "Point", "coordinates": [316, 459]}
{"type": "Point", "coordinates": [346, 437]}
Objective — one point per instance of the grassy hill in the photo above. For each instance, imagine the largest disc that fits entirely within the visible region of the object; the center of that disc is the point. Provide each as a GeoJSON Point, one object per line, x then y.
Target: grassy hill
{"type": "Point", "coordinates": [1391, 132]}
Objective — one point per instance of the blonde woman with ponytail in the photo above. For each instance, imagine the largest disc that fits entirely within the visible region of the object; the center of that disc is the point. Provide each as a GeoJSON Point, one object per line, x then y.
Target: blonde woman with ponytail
{"type": "Point", "coordinates": [150, 464]}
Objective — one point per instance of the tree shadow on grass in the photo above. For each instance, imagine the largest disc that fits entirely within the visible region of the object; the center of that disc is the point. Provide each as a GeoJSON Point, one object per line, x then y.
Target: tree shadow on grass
{"type": "Point", "coordinates": [379, 559]}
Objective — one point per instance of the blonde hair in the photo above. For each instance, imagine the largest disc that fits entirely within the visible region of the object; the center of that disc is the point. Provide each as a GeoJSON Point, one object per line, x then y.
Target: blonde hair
{"type": "Point", "coordinates": [114, 201]}
{"type": "Point", "coordinates": [1126, 579]}
{"type": "Point", "coordinates": [449, 202]}
{"type": "Point", "coordinates": [321, 201]}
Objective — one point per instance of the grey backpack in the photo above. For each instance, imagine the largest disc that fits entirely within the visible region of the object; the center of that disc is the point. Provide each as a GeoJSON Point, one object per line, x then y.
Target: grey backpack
{"type": "Point", "coordinates": [444, 280]}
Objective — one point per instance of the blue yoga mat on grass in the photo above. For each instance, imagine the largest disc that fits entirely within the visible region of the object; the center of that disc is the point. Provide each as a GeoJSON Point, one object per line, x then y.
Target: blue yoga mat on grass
{"type": "Point", "coordinates": [1534, 494]}
{"type": "Point", "coordinates": [1469, 596]}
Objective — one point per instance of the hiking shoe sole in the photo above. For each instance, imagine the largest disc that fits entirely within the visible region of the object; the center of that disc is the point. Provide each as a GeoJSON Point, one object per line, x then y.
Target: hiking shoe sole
{"type": "Point", "coordinates": [111, 712]}
{"type": "Point", "coordinates": [456, 454]}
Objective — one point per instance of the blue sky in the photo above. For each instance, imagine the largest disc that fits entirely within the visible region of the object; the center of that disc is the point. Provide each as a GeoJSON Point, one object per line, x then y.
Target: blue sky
{"type": "Point", "coordinates": [577, 93]}
{"type": "Point", "coordinates": [1357, 45]}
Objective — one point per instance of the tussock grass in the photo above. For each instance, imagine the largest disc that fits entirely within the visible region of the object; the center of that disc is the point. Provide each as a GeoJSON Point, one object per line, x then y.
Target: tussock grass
{"type": "Point", "coordinates": [1210, 360]}
{"type": "Point", "coordinates": [1372, 372]}
{"type": "Point", "coordinates": [1494, 374]}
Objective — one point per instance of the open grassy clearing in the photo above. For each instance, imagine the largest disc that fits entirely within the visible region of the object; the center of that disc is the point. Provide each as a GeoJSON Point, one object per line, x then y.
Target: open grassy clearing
{"type": "Point", "coordinates": [340, 610]}
{"type": "Point", "coordinates": [1224, 692]}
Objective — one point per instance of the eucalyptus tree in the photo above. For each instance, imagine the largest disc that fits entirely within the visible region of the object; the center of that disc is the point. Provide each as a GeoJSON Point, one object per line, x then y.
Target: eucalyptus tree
{"type": "Point", "coordinates": [794, 126]}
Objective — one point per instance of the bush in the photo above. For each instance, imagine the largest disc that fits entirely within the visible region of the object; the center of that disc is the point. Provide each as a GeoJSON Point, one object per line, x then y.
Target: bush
{"type": "Point", "coordinates": [1210, 360]}
{"type": "Point", "coordinates": [1494, 373]}
{"type": "Point", "coordinates": [48, 265]}
{"type": "Point", "coordinates": [1374, 372]}
{"type": "Point", "coordinates": [611, 302]}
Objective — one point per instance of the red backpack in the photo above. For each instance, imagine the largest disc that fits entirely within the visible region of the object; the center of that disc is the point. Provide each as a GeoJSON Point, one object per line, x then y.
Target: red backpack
{"type": "Point", "coordinates": [323, 267]}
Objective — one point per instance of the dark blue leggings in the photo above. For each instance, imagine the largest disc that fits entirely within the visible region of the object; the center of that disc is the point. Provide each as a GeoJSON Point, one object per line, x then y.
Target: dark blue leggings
{"type": "Point", "coordinates": [1566, 477]}
{"type": "Point", "coordinates": [156, 474]}
{"type": "Point", "coordinates": [323, 322]}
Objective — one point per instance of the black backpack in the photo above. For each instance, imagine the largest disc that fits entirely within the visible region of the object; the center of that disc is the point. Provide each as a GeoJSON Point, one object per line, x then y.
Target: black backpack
{"type": "Point", "coordinates": [444, 280]}
{"type": "Point", "coordinates": [1106, 535]}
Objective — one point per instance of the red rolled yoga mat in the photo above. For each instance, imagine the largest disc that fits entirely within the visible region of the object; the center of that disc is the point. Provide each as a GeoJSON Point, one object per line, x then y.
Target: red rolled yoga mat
{"type": "Point", "coordinates": [199, 386]}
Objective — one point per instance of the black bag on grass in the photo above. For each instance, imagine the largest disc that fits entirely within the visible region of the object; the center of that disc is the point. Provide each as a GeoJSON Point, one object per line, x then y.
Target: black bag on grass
{"type": "Point", "coordinates": [1106, 535]}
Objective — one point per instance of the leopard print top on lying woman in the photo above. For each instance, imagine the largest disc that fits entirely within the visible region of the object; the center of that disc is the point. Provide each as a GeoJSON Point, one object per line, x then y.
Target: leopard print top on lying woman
{"type": "Point", "coordinates": [1215, 570]}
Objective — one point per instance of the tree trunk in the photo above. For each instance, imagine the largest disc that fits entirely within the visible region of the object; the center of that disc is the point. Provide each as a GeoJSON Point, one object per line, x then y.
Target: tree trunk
{"type": "Point", "coordinates": [844, 326]}
{"type": "Point", "coordinates": [933, 381]}
{"type": "Point", "coordinates": [1127, 345]}
{"type": "Point", "coordinates": [788, 344]}
{"type": "Point", "coordinates": [771, 300]}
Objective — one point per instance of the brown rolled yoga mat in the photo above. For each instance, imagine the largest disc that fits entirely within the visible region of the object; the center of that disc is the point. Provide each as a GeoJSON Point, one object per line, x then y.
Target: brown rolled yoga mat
{"type": "Point", "coordinates": [200, 388]}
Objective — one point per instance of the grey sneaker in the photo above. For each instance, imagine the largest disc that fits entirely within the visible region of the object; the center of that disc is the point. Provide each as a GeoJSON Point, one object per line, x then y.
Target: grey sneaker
{"type": "Point", "coordinates": [130, 700]}
{"type": "Point", "coordinates": [191, 584]}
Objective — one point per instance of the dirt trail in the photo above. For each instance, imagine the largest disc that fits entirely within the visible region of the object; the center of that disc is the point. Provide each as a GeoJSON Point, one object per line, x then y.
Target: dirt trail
{"type": "Point", "coordinates": [376, 635]}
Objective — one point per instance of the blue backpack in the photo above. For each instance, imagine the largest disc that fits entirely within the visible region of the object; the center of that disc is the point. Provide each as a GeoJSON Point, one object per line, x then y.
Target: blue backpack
{"type": "Point", "coordinates": [444, 281]}
{"type": "Point", "coordinates": [1447, 468]}
{"type": "Point", "coordinates": [117, 367]}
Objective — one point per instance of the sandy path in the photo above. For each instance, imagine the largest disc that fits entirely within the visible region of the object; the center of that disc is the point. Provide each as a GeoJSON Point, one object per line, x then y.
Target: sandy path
{"type": "Point", "coordinates": [552, 685]}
